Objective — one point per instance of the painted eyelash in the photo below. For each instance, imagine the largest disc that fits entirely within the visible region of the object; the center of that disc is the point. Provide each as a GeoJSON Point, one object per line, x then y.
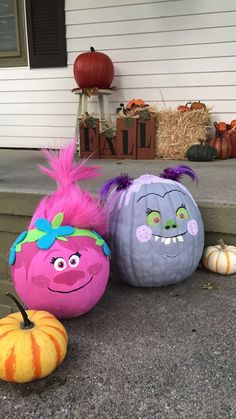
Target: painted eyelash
{"type": "Point", "coordinates": [149, 211]}
{"type": "Point", "coordinates": [77, 254]}
{"type": "Point", "coordinates": [53, 260]}
{"type": "Point", "coordinates": [181, 206]}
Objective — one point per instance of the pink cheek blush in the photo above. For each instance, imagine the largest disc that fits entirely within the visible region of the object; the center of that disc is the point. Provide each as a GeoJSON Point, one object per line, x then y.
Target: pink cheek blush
{"type": "Point", "coordinates": [95, 269]}
{"type": "Point", "coordinates": [192, 227]}
{"type": "Point", "coordinates": [143, 233]}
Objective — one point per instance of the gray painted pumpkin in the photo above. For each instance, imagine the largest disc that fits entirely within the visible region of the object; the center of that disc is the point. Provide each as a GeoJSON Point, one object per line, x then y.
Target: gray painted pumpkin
{"type": "Point", "coordinates": [156, 232]}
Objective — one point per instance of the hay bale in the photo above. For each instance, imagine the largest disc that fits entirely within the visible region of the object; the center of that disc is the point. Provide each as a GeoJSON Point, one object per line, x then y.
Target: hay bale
{"type": "Point", "coordinates": [177, 131]}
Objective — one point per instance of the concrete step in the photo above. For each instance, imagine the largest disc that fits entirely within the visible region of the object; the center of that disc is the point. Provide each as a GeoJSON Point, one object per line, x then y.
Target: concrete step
{"type": "Point", "coordinates": [22, 186]}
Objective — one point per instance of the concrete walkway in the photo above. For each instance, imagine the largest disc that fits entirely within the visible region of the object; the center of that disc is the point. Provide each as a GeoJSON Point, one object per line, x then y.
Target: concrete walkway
{"type": "Point", "coordinates": [142, 354]}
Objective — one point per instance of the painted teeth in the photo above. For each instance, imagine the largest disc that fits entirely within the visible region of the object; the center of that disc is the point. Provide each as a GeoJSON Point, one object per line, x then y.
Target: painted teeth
{"type": "Point", "coordinates": [168, 240]}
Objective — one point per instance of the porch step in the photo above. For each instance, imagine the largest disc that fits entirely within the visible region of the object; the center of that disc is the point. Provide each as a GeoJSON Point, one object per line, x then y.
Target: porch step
{"type": "Point", "coordinates": [22, 186]}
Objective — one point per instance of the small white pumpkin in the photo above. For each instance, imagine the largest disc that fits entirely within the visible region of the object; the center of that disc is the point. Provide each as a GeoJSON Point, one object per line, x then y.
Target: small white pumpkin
{"type": "Point", "coordinates": [220, 258]}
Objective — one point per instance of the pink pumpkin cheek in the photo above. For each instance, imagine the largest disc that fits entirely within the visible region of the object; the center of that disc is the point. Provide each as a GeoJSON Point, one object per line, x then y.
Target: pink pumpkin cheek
{"type": "Point", "coordinates": [95, 269]}
{"type": "Point", "coordinates": [192, 227]}
{"type": "Point", "coordinates": [40, 281]}
{"type": "Point", "coordinates": [143, 233]}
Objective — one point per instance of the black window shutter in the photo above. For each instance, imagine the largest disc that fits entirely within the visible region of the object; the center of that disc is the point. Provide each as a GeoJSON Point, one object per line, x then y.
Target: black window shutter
{"type": "Point", "coordinates": [46, 33]}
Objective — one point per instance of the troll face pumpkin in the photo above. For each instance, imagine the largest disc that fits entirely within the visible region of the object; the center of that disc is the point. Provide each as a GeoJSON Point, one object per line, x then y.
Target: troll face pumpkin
{"type": "Point", "coordinates": [60, 269]}
{"type": "Point", "coordinates": [156, 232]}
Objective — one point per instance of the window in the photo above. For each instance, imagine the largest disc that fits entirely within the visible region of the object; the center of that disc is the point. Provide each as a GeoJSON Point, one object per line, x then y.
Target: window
{"type": "Point", "coordinates": [45, 39]}
{"type": "Point", "coordinates": [12, 34]}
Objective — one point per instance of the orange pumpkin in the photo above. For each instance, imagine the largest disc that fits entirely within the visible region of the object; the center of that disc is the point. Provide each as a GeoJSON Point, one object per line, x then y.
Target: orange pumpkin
{"type": "Point", "coordinates": [184, 108]}
{"type": "Point", "coordinates": [198, 105]}
{"type": "Point", "coordinates": [233, 124]}
{"type": "Point", "coordinates": [220, 126]}
{"type": "Point", "coordinates": [31, 348]}
{"type": "Point", "coordinates": [222, 146]}
{"type": "Point", "coordinates": [135, 103]}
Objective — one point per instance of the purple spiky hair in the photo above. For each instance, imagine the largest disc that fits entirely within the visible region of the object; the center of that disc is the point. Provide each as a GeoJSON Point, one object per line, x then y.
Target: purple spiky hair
{"type": "Point", "coordinates": [123, 181]}
{"type": "Point", "coordinates": [176, 173]}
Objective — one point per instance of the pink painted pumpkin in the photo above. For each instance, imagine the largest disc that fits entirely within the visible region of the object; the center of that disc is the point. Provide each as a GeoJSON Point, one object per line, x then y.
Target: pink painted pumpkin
{"type": "Point", "coordinates": [61, 264]}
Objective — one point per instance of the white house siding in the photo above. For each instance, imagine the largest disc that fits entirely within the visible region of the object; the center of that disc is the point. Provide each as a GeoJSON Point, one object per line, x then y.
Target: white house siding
{"type": "Point", "coordinates": [166, 52]}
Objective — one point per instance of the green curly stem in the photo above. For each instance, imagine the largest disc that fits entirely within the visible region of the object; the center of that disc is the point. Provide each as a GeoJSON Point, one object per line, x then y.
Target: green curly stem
{"type": "Point", "coordinates": [27, 323]}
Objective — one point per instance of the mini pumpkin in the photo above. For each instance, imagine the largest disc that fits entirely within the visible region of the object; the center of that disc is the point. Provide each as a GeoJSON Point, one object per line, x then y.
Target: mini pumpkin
{"type": "Point", "coordinates": [201, 152]}
{"type": "Point", "coordinates": [220, 126]}
{"type": "Point", "coordinates": [233, 124]}
{"type": "Point", "coordinates": [156, 229]}
{"type": "Point", "coordinates": [220, 258]}
{"type": "Point", "coordinates": [32, 348]}
{"type": "Point", "coordinates": [184, 108]}
{"type": "Point", "coordinates": [198, 105]}
{"type": "Point", "coordinates": [135, 103]}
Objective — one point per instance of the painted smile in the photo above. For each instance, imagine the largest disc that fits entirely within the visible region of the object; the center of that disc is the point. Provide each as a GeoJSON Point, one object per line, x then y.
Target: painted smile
{"type": "Point", "coordinates": [168, 240]}
{"type": "Point", "coordinates": [76, 289]}
{"type": "Point", "coordinates": [171, 257]}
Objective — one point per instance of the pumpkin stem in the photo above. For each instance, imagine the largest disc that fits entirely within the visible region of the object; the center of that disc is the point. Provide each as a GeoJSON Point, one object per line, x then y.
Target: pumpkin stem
{"type": "Point", "coordinates": [201, 141]}
{"type": "Point", "coordinates": [28, 324]}
{"type": "Point", "coordinates": [222, 245]}
{"type": "Point", "coordinates": [92, 49]}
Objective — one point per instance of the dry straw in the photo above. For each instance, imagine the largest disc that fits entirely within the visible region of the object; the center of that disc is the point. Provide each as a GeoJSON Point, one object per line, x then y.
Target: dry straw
{"type": "Point", "coordinates": [177, 131]}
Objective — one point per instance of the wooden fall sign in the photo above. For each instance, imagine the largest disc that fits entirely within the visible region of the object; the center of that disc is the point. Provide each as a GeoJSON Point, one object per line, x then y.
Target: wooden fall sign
{"type": "Point", "coordinates": [134, 139]}
{"type": "Point", "coordinates": [89, 138]}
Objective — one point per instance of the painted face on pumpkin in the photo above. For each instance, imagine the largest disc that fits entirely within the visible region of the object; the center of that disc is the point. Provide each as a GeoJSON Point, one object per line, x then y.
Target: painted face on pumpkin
{"type": "Point", "coordinates": [158, 224]}
{"type": "Point", "coordinates": [168, 225]}
{"type": "Point", "coordinates": [68, 278]}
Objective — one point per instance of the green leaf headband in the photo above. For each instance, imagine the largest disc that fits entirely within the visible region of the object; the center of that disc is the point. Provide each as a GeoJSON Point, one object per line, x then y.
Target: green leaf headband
{"type": "Point", "coordinates": [46, 233]}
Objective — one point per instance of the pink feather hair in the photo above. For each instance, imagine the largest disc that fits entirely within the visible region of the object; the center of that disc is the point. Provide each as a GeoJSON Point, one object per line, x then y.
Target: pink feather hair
{"type": "Point", "coordinates": [80, 208]}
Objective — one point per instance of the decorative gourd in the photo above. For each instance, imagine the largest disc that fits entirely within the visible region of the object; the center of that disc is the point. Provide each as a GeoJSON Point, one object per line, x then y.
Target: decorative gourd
{"type": "Point", "coordinates": [220, 126]}
{"type": "Point", "coordinates": [184, 108]}
{"type": "Point", "coordinates": [61, 263]}
{"type": "Point", "coordinates": [201, 152]}
{"type": "Point", "coordinates": [222, 146]}
{"type": "Point", "coordinates": [135, 103]}
{"type": "Point", "coordinates": [156, 229]}
{"type": "Point", "coordinates": [198, 105]}
{"type": "Point", "coordinates": [233, 124]}
{"type": "Point", "coordinates": [32, 348]}
{"type": "Point", "coordinates": [93, 69]}
{"type": "Point", "coordinates": [220, 258]}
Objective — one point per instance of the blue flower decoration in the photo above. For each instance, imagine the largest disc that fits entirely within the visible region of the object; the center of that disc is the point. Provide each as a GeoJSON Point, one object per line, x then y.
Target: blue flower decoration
{"type": "Point", "coordinates": [51, 233]}
{"type": "Point", "coordinates": [12, 256]}
{"type": "Point", "coordinates": [105, 247]}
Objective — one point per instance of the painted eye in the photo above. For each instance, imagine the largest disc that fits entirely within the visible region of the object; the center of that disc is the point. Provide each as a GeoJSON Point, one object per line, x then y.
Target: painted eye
{"type": "Point", "coordinates": [74, 260]}
{"type": "Point", "coordinates": [182, 213]}
{"type": "Point", "coordinates": [153, 218]}
{"type": "Point", "coordinates": [59, 264]}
